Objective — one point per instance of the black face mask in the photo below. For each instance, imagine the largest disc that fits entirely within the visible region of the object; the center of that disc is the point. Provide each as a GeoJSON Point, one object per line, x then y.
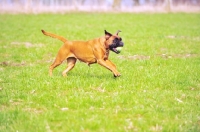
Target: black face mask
{"type": "Point", "coordinates": [117, 42]}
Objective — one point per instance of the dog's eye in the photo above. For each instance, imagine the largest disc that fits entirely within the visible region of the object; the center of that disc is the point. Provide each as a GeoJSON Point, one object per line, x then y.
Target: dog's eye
{"type": "Point", "coordinates": [115, 40]}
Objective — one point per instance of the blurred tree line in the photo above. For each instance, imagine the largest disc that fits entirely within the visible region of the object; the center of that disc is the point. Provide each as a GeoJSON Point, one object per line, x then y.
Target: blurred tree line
{"type": "Point", "coordinates": [106, 4]}
{"type": "Point", "coordinates": [101, 2]}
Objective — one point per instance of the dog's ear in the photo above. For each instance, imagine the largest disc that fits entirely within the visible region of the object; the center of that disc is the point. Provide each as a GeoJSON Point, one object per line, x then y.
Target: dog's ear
{"type": "Point", "coordinates": [117, 32]}
{"type": "Point", "coordinates": [107, 35]}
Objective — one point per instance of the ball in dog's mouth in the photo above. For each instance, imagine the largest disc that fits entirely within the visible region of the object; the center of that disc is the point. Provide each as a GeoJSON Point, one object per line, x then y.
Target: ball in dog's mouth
{"type": "Point", "coordinates": [119, 49]}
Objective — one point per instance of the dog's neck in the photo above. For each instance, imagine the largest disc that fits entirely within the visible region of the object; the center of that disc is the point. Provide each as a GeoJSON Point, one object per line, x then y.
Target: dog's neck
{"type": "Point", "coordinates": [102, 40]}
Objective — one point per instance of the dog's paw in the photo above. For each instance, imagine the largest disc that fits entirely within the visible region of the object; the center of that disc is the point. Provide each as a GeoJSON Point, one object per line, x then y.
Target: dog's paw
{"type": "Point", "coordinates": [117, 75]}
{"type": "Point", "coordinates": [64, 74]}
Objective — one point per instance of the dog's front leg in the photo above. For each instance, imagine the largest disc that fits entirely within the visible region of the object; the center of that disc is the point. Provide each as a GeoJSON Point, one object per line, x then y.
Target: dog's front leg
{"type": "Point", "coordinates": [99, 54]}
{"type": "Point", "coordinates": [109, 65]}
{"type": "Point", "coordinates": [114, 67]}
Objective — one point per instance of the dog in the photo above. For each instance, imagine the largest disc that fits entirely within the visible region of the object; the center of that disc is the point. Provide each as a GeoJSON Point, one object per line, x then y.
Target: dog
{"type": "Point", "coordinates": [90, 52]}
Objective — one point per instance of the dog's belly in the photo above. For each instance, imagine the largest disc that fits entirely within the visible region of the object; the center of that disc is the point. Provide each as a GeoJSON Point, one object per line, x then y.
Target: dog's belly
{"type": "Point", "coordinates": [88, 60]}
{"type": "Point", "coordinates": [85, 55]}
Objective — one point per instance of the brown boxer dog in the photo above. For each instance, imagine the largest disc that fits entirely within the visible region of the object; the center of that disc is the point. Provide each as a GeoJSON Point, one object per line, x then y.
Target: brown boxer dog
{"type": "Point", "coordinates": [91, 51]}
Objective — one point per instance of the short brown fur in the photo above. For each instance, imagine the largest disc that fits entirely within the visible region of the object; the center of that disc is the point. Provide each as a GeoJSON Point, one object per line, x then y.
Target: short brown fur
{"type": "Point", "coordinates": [92, 51]}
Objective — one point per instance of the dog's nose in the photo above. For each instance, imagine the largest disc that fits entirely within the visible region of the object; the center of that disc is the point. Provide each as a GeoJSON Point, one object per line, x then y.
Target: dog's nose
{"type": "Point", "coordinates": [121, 44]}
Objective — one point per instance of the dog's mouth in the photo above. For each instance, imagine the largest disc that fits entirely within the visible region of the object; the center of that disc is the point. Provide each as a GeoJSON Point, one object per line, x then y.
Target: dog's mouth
{"type": "Point", "coordinates": [113, 47]}
{"type": "Point", "coordinates": [115, 50]}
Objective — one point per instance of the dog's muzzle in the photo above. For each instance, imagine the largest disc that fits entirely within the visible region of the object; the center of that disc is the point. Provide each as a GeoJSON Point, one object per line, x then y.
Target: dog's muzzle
{"type": "Point", "coordinates": [113, 46]}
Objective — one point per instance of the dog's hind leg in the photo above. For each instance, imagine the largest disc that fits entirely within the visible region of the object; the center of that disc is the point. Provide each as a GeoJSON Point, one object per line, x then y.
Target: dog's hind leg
{"type": "Point", "coordinates": [54, 65]}
{"type": "Point", "coordinates": [61, 56]}
{"type": "Point", "coordinates": [59, 59]}
{"type": "Point", "coordinates": [71, 61]}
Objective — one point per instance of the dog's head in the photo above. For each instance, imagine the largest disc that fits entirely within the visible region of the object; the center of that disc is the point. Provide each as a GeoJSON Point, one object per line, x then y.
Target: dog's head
{"type": "Point", "coordinates": [113, 41]}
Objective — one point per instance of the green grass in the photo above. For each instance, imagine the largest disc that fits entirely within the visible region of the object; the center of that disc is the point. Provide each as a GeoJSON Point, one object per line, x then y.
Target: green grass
{"type": "Point", "coordinates": [159, 89]}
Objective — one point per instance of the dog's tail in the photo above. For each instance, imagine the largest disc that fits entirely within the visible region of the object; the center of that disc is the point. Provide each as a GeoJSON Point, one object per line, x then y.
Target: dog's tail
{"type": "Point", "coordinates": [54, 36]}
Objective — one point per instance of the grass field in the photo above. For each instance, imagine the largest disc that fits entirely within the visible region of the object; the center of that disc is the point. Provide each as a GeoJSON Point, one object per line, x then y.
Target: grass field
{"type": "Point", "coordinates": [159, 89]}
